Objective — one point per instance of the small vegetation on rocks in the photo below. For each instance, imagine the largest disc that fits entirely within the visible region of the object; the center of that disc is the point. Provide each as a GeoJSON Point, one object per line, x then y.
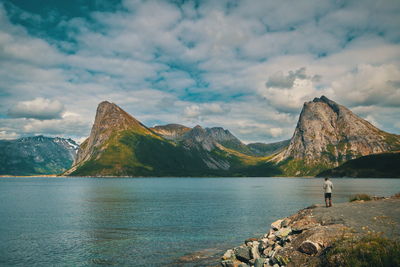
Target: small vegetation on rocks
{"type": "Point", "coordinates": [359, 197]}
{"type": "Point", "coordinates": [371, 249]}
{"type": "Point", "coordinates": [397, 195]}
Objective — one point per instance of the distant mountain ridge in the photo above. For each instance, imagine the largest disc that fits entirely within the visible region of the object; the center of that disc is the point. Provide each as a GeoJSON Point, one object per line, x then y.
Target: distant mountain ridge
{"type": "Point", "coordinates": [327, 135]}
{"type": "Point", "coordinates": [36, 155]}
{"type": "Point", "coordinates": [119, 145]}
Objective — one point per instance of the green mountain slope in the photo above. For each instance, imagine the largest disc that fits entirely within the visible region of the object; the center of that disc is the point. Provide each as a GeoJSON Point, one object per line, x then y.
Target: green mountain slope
{"type": "Point", "coordinates": [119, 145]}
{"type": "Point", "coordinates": [384, 165]}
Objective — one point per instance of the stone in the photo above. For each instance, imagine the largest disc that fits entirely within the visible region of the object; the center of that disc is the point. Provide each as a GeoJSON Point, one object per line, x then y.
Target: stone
{"type": "Point", "coordinates": [276, 265]}
{"type": "Point", "coordinates": [276, 225]}
{"type": "Point", "coordinates": [310, 248]}
{"type": "Point", "coordinates": [243, 253]}
{"type": "Point", "coordinates": [228, 254]}
{"type": "Point", "coordinates": [283, 232]}
{"type": "Point", "coordinates": [267, 251]}
{"type": "Point", "coordinates": [270, 242]}
{"type": "Point", "coordinates": [254, 252]}
{"type": "Point", "coordinates": [228, 263]}
{"type": "Point", "coordinates": [263, 244]}
{"type": "Point", "coordinates": [250, 240]}
{"type": "Point", "coordinates": [243, 265]}
{"type": "Point", "coordinates": [259, 262]}
{"type": "Point", "coordinates": [277, 248]}
{"type": "Point", "coordinates": [271, 254]}
{"type": "Point", "coordinates": [285, 222]}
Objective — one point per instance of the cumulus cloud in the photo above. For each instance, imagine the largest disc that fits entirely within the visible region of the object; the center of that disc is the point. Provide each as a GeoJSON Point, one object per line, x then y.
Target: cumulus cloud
{"type": "Point", "coordinates": [370, 85]}
{"type": "Point", "coordinates": [70, 124]}
{"type": "Point", "coordinates": [38, 108]}
{"type": "Point", "coordinates": [4, 135]}
{"type": "Point", "coordinates": [202, 110]}
{"type": "Point", "coordinates": [247, 66]}
{"type": "Point", "coordinates": [280, 80]}
{"type": "Point", "coordinates": [287, 92]}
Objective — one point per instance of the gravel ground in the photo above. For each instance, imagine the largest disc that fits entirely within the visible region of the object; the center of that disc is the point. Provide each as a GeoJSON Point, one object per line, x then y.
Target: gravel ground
{"type": "Point", "coordinates": [375, 215]}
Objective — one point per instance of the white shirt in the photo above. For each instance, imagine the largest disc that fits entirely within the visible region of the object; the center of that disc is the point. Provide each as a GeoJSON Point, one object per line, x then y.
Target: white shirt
{"type": "Point", "coordinates": [328, 186]}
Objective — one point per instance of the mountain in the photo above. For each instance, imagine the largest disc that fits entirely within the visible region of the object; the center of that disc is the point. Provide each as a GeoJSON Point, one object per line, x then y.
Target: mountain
{"type": "Point", "coordinates": [383, 165]}
{"type": "Point", "coordinates": [119, 145]}
{"type": "Point", "coordinates": [328, 134]}
{"type": "Point", "coordinates": [36, 155]}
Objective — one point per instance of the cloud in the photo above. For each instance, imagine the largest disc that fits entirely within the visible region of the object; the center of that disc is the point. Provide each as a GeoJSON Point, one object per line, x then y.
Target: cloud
{"type": "Point", "coordinates": [38, 108]}
{"type": "Point", "coordinates": [279, 80]}
{"type": "Point", "coordinates": [202, 110]}
{"type": "Point", "coordinates": [288, 92]}
{"type": "Point", "coordinates": [70, 124]}
{"type": "Point", "coordinates": [247, 66]}
{"type": "Point", "coordinates": [4, 135]}
{"type": "Point", "coordinates": [369, 85]}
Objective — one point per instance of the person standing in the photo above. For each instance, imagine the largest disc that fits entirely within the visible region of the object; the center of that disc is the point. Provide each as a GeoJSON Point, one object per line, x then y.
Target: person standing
{"type": "Point", "coordinates": [328, 186]}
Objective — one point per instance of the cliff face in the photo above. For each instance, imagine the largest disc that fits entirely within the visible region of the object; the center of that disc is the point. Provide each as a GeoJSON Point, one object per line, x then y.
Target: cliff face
{"type": "Point", "coordinates": [328, 134]}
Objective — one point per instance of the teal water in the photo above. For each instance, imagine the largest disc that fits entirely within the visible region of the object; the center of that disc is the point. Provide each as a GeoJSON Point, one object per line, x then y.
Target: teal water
{"type": "Point", "coordinates": [148, 221]}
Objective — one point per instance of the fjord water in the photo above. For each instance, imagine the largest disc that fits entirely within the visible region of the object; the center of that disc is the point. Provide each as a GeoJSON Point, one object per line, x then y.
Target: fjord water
{"type": "Point", "coordinates": [148, 221]}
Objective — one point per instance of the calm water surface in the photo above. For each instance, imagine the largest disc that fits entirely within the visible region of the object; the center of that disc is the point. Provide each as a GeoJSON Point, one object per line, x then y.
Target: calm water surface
{"type": "Point", "coordinates": [148, 221]}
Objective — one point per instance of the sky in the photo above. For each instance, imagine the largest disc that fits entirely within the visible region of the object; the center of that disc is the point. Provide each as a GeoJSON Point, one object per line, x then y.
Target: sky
{"type": "Point", "coordinates": [247, 66]}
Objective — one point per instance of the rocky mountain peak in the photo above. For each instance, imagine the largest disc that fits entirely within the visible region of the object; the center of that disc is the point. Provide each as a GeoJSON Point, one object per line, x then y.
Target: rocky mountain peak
{"type": "Point", "coordinates": [110, 120]}
{"type": "Point", "coordinates": [328, 133]}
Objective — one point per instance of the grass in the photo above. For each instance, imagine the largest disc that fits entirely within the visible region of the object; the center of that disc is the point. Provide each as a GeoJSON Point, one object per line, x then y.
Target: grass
{"type": "Point", "coordinates": [299, 167]}
{"type": "Point", "coordinates": [397, 195]}
{"type": "Point", "coordinates": [358, 197]}
{"type": "Point", "coordinates": [127, 153]}
{"type": "Point", "coordinates": [372, 249]}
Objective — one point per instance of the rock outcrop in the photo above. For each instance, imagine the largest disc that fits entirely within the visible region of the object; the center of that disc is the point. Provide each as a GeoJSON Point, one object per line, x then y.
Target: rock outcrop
{"type": "Point", "coordinates": [171, 131]}
{"type": "Point", "coordinates": [304, 238]}
{"type": "Point", "coordinates": [328, 134]}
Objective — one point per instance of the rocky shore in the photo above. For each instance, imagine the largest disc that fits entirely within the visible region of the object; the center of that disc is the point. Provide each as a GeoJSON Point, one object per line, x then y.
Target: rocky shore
{"type": "Point", "coordinates": [303, 238]}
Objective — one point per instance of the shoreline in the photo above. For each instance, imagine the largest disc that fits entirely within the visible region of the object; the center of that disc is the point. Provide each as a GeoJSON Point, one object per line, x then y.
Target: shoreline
{"type": "Point", "coordinates": [306, 237]}
{"type": "Point", "coordinates": [105, 176]}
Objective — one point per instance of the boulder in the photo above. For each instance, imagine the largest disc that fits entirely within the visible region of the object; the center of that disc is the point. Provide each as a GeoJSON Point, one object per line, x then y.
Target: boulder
{"type": "Point", "coordinates": [285, 222]}
{"type": "Point", "coordinates": [270, 242]}
{"type": "Point", "coordinates": [263, 244]}
{"type": "Point", "coordinates": [254, 252]}
{"type": "Point", "coordinates": [310, 248]}
{"type": "Point", "coordinates": [250, 240]}
{"type": "Point", "coordinates": [228, 263]}
{"type": "Point", "coordinates": [303, 224]}
{"type": "Point", "coordinates": [276, 225]}
{"type": "Point", "coordinates": [267, 251]}
{"type": "Point", "coordinates": [243, 265]}
{"type": "Point", "coordinates": [228, 254]}
{"type": "Point", "coordinates": [283, 232]}
{"type": "Point", "coordinates": [259, 262]}
{"type": "Point", "coordinates": [243, 253]}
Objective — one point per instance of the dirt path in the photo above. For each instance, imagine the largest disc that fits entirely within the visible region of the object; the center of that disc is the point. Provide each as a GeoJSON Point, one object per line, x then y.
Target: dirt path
{"type": "Point", "coordinates": [376, 215]}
